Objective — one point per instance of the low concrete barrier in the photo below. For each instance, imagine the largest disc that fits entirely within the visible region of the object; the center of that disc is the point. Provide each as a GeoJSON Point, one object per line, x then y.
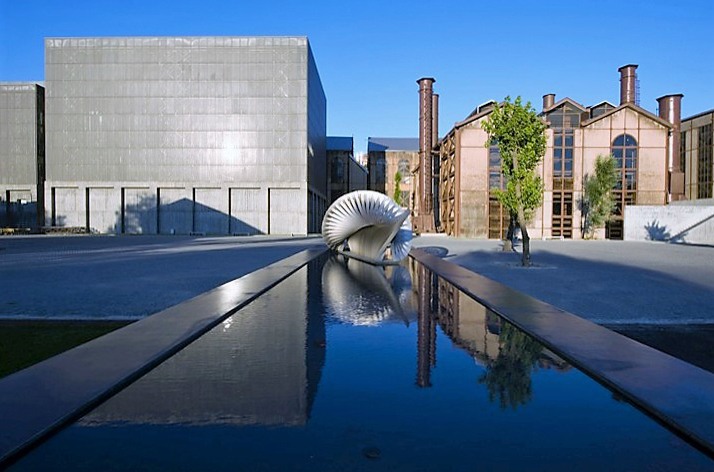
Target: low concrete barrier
{"type": "Point", "coordinates": [689, 224]}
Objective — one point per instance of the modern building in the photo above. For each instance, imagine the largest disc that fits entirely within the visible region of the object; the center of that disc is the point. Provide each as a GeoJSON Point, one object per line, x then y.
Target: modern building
{"type": "Point", "coordinates": [181, 135]}
{"type": "Point", "coordinates": [344, 173]}
{"type": "Point", "coordinates": [469, 171]}
{"type": "Point", "coordinates": [696, 155]}
{"type": "Point", "coordinates": [388, 156]}
{"type": "Point", "coordinates": [22, 155]}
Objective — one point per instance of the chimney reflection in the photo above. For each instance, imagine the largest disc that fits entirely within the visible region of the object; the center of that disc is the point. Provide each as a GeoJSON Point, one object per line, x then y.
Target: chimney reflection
{"type": "Point", "coordinates": [507, 354]}
{"type": "Point", "coordinates": [426, 326]}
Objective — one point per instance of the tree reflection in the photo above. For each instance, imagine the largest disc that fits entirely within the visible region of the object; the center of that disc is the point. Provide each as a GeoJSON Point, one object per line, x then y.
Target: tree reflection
{"type": "Point", "coordinates": [508, 377]}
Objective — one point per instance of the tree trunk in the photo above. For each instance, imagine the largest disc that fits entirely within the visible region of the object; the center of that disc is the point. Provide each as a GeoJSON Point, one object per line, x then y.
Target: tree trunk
{"type": "Point", "coordinates": [508, 242]}
{"type": "Point", "coordinates": [526, 255]}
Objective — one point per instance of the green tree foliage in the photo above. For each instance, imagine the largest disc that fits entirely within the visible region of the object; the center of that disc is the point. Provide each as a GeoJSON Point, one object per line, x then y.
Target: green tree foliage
{"type": "Point", "coordinates": [598, 200]}
{"type": "Point", "coordinates": [520, 135]}
{"type": "Point", "coordinates": [397, 189]}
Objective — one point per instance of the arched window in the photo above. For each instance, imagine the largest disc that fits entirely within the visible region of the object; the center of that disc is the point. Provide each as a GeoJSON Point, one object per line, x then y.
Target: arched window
{"type": "Point", "coordinates": [624, 150]}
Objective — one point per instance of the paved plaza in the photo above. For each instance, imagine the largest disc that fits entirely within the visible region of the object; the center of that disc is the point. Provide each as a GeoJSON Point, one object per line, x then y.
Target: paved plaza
{"type": "Point", "coordinates": [124, 277]}
{"type": "Point", "coordinates": [659, 293]}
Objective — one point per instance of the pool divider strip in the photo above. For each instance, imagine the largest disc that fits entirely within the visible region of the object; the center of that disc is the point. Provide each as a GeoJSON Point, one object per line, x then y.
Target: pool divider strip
{"type": "Point", "coordinates": [40, 400]}
{"type": "Point", "coordinates": [677, 394]}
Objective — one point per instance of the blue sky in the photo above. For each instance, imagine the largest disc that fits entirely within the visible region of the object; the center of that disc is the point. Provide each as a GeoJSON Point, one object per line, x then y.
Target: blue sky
{"type": "Point", "coordinates": [370, 53]}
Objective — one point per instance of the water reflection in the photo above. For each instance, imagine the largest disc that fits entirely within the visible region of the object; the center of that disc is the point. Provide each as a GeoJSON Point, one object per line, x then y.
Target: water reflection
{"type": "Point", "coordinates": [261, 369]}
{"type": "Point", "coordinates": [245, 396]}
{"type": "Point", "coordinates": [362, 294]}
{"type": "Point", "coordinates": [508, 354]}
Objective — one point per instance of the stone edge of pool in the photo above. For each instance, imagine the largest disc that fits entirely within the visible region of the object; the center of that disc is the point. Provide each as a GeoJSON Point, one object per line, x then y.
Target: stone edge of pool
{"type": "Point", "coordinates": [40, 400]}
{"type": "Point", "coordinates": [675, 393]}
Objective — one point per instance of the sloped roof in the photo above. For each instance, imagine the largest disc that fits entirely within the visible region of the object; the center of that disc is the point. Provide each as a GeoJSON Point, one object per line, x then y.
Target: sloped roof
{"type": "Point", "coordinates": [340, 143]}
{"type": "Point", "coordinates": [392, 144]}
{"type": "Point", "coordinates": [563, 101]}
{"type": "Point", "coordinates": [632, 107]}
{"type": "Point", "coordinates": [698, 115]}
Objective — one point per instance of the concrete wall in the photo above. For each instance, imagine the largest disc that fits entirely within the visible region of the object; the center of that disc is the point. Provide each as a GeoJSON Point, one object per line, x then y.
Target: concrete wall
{"type": "Point", "coordinates": [194, 116]}
{"type": "Point", "coordinates": [21, 155]}
{"type": "Point", "coordinates": [681, 223]}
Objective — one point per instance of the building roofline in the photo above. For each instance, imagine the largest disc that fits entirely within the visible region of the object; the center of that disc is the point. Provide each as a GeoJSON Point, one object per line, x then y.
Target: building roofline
{"type": "Point", "coordinates": [563, 101]}
{"type": "Point", "coordinates": [631, 106]}
{"type": "Point", "coordinates": [604, 102]}
{"type": "Point", "coordinates": [698, 115]}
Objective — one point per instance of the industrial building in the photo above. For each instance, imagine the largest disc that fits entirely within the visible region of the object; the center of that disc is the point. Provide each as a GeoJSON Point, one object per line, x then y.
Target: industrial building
{"type": "Point", "coordinates": [185, 135]}
{"type": "Point", "coordinates": [467, 171]}
{"type": "Point", "coordinates": [696, 155]}
{"type": "Point", "coordinates": [22, 155]}
{"type": "Point", "coordinates": [388, 156]}
{"type": "Point", "coordinates": [344, 173]}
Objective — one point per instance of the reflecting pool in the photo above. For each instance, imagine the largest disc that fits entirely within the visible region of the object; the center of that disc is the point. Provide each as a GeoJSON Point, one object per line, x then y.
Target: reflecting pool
{"type": "Point", "coordinates": [346, 366]}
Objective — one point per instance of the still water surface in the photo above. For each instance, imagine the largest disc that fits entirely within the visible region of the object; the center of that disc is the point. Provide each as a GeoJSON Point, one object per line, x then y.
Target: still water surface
{"type": "Point", "coordinates": [351, 367]}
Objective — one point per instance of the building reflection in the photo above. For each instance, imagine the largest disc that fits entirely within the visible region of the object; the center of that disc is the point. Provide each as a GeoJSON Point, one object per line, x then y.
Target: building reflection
{"type": "Point", "coordinates": [261, 366]}
{"type": "Point", "coordinates": [507, 354]}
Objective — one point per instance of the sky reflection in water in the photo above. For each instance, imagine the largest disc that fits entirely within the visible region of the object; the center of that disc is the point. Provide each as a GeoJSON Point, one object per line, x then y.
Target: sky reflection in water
{"type": "Point", "coordinates": [355, 367]}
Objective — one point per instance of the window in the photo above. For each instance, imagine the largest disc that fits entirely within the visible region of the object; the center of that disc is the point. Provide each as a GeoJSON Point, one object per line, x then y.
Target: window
{"type": "Point", "coordinates": [405, 171]}
{"type": "Point", "coordinates": [624, 150]}
{"type": "Point", "coordinates": [563, 149]}
{"type": "Point", "coordinates": [705, 183]}
{"type": "Point", "coordinates": [562, 214]}
{"type": "Point", "coordinates": [682, 150]}
{"type": "Point", "coordinates": [498, 217]}
{"type": "Point", "coordinates": [563, 122]}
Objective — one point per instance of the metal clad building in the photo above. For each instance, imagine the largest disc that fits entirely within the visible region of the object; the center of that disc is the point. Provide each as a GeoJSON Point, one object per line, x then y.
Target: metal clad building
{"type": "Point", "coordinates": [22, 155]}
{"type": "Point", "coordinates": [177, 135]}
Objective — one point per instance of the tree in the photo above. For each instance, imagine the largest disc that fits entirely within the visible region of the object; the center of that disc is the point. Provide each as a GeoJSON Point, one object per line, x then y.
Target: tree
{"type": "Point", "coordinates": [520, 135]}
{"type": "Point", "coordinates": [598, 204]}
{"type": "Point", "coordinates": [397, 189]}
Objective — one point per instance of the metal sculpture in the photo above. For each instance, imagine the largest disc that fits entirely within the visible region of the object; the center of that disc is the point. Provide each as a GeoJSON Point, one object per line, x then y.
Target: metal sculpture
{"type": "Point", "coordinates": [369, 222]}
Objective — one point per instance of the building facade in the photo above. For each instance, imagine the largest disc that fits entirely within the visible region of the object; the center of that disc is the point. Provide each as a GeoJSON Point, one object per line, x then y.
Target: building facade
{"type": "Point", "coordinates": [344, 173]}
{"type": "Point", "coordinates": [696, 151]}
{"type": "Point", "coordinates": [388, 156]}
{"type": "Point", "coordinates": [185, 135]}
{"type": "Point", "coordinates": [470, 171]}
{"type": "Point", "coordinates": [22, 155]}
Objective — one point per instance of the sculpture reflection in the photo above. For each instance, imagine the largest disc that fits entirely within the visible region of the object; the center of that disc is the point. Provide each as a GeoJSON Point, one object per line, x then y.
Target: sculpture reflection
{"type": "Point", "coordinates": [362, 294]}
{"type": "Point", "coordinates": [508, 355]}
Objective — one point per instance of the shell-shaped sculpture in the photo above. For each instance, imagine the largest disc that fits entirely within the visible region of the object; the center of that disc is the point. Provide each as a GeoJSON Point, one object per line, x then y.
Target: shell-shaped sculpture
{"type": "Point", "coordinates": [369, 221]}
